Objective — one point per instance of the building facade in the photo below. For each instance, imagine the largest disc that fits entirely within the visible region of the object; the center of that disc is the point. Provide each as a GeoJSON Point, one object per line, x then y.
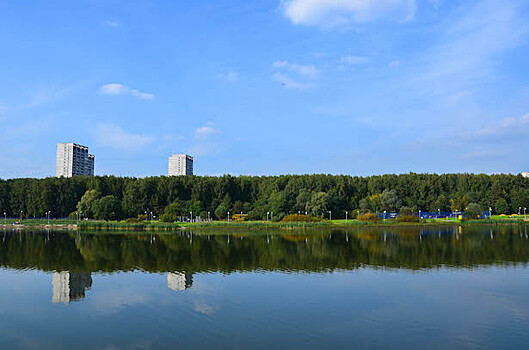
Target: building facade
{"type": "Point", "coordinates": [180, 164]}
{"type": "Point", "coordinates": [74, 160]}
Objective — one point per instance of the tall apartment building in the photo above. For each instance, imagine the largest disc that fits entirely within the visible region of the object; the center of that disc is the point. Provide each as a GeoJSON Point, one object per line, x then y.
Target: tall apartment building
{"type": "Point", "coordinates": [180, 164]}
{"type": "Point", "coordinates": [525, 174]}
{"type": "Point", "coordinates": [74, 160]}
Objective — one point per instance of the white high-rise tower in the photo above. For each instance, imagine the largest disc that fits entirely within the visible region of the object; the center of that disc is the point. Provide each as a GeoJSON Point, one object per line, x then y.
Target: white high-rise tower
{"type": "Point", "coordinates": [180, 164]}
{"type": "Point", "coordinates": [74, 160]}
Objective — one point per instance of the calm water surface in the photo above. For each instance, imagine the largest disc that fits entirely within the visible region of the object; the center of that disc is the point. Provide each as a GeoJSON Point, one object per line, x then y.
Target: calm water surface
{"type": "Point", "coordinates": [362, 288]}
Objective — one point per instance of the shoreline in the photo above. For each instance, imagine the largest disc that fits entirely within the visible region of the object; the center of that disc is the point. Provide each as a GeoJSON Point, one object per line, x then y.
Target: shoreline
{"type": "Point", "coordinates": [251, 225]}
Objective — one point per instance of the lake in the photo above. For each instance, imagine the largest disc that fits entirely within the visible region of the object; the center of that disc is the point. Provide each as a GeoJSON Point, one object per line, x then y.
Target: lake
{"type": "Point", "coordinates": [441, 287]}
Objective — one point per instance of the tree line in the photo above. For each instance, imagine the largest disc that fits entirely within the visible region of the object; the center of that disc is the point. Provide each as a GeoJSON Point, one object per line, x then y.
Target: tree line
{"type": "Point", "coordinates": [112, 197]}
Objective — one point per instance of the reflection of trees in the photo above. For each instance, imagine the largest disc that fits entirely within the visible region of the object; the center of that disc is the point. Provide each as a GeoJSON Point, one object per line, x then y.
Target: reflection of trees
{"type": "Point", "coordinates": [409, 248]}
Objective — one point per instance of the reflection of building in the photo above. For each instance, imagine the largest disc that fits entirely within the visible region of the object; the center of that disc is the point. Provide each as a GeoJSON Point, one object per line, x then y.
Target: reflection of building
{"type": "Point", "coordinates": [178, 281]}
{"type": "Point", "coordinates": [180, 164]}
{"type": "Point", "coordinates": [73, 160]}
{"type": "Point", "coordinates": [70, 286]}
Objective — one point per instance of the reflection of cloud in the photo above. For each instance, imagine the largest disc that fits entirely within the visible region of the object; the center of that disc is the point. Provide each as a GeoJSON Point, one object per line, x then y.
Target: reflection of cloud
{"type": "Point", "coordinates": [336, 13]}
{"type": "Point", "coordinates": [204, 308]}
{"type": "Point", "coordinates": [106, 303]}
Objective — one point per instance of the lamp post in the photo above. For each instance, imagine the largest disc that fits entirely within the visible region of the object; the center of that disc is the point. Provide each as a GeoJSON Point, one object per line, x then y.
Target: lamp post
{"type": "Point", "coordinates": [228, 216]}
{"type": "Point", "coordinates": [384, 215]}
{"type": "Point", "coordinates": [525, 213]}
{"type": "Point", "coordinates": [346, 216]}
{"type": "Point", "coordinates": [151, 217]}
{"type": "Point", "coordinates": [420, 217]}
{"type": "Point", "coordinates": [21, 213]}
{"type": "Point", "coordinates": [209, 216]}
{"type": "Point", "coordinates": [357, 214]}
{"type": "Point", "coordinates": [272, 216]}
{"type": "Point", "coordinates": [48, 215]}
{"type": "Point", "coordinates": [519, 211]}
{"type": "Point", "coordinates": [5, 218]}
{"type": "Point", "coordinates": [490, 213]}
{"type": "Point", "coordinates": [191, 213]}
{"type": "Point", "coordinates": [438, 214]}
{"type": "Point", "coordinates": [267, 213]}
{"type": "Point", "coordinates": [330, 215]}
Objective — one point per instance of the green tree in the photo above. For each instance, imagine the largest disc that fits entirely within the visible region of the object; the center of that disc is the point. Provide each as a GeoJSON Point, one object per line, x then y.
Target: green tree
{"type": "Point", "coordinates": [473, 211]}
{"type": "Point", "coordinates": [501, 206]}
{"type": "Point", "coordinates": [390, 200]}
{"type": "Point", "coordinates": [108, 208]}
{"type": "Point", "coordinates": [318, 205]}
{"type": "Point", "coordinates": [173, 211]}
{"type": "Point", "coordinates": [86, 204]}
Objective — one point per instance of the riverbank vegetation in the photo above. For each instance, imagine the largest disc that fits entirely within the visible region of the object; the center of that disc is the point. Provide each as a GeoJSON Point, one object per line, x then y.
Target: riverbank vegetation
{"type": "Point", "coordinates": [272, 197]}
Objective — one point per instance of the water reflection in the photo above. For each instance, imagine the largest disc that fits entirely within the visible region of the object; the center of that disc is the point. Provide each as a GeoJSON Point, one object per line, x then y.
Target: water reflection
{"type": "Point", "coordinates": [185, 253]}
{"type": "Point", "coordinates": [70, 286]}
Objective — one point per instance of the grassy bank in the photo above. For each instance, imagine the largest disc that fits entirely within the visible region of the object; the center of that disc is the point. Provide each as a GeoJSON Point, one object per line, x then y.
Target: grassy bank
{"type": "Point", "coordinates": [160, 226]}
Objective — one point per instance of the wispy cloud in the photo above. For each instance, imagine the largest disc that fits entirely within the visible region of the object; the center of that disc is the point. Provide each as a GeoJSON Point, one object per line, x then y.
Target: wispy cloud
{"type": "Point", "coordinates": [337, 13]}
{"type": "Point", "coordinates": [353, 60]}
{"type": "Point", "coordinates": [466, 54]}
{"type": "Point", "coordinates": [289, 83]}
{"type": "Point", "coordinates": [111, 24]}
{"type": "Point", "coordinates": [113, 136]}
{"type": "Point", "coordinates": [205, 131]}
{"type": "Point", "coordinates": [115, 89]}
{"type": "Point", "coordinates": [309, 71]}
{"type": "Point", "coordinates": [230, 76]}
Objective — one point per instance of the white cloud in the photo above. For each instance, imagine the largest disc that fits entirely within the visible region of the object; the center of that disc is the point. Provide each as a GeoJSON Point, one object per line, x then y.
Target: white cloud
{"type": "Point", "coordinates": [111, 24]}
{"type": "Point", "coordinates": [394, 64]}
{"type": "Point", "coordinates": [205, 131]}
{"type": "Point", "coordinates": [353, 60]}
{"type": "Point", "coordinates": [116, 89]}
{"type": "Point", "coordinates": [113, 136]}
{"type": "Point", "coordinates": [336, 13]}
{"type": "Point", "coordinates": [230, 76]}
{"type": "Point", "coordinates": [289, 83]}
{"type": "Point", "coordinates": [305, 70]}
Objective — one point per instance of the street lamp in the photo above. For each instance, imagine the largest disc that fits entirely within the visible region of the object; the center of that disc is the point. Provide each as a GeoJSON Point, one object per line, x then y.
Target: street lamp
{"type": "Point", "coordinates": [267, 213]}
{"type": "Point", "coordinates": [330, 215]}
{"type": "Point", "coordinates": [439, 213]}
{"type": "Point", "coordinates": [5, 218]}
{"type": "Point", "coordinates": [490, 213]}
{"type": "Point", "coordinates": [191, 213]}
{"type": "Point", "coordinates": [384, 215]}
{"type": "Point", "coordinates": [228, 216]}
{"type": "Point", "coordinates": [209, 216]}
{"type": "Point", "coordinates": [272, 216]}
{"type": "Point", "coordinates": [519, 211]}
{"type": "Point", "coordinates": [525, 213]}
{"type": "Point", "coordinates": [420, 217]}
{"type": "Point", "coordinates": [346, 216]}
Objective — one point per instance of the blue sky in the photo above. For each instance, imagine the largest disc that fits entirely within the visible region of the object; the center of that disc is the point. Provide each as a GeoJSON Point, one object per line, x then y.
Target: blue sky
{"type": "Point", "coordinates": [266, 86]}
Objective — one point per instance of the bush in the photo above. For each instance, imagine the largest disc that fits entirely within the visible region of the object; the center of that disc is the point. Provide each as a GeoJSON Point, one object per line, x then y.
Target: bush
{"type": "Point", "coordinates": [473, 211]}
{"type": "Point", "coordinates": [300, 218]}
{"type": "Point", "coordinates": [355, 212]}
{"type": "Point", "coordinates": [406, 211]}
{"type": "Point", "coordinates": [408, 218]}
{"type": "Point", "coordinates": [369, 217]}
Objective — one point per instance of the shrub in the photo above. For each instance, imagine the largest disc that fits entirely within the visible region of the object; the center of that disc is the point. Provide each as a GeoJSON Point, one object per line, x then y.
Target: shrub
{"type": "Point", "coordinates": [406, 211]}
{"type": "Point", "coordinates": [300, 218]}
{"type": "Point", "coordinates": [408, 218]}
{"type": "Point", "coordinates": [369, 217]}
{"type": "Point", "coordinates": [473, 211]}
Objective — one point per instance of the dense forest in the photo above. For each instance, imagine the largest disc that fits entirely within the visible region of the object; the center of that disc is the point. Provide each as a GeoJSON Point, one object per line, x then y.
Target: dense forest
{"type": "Point", "coordinates": [314, 194]}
